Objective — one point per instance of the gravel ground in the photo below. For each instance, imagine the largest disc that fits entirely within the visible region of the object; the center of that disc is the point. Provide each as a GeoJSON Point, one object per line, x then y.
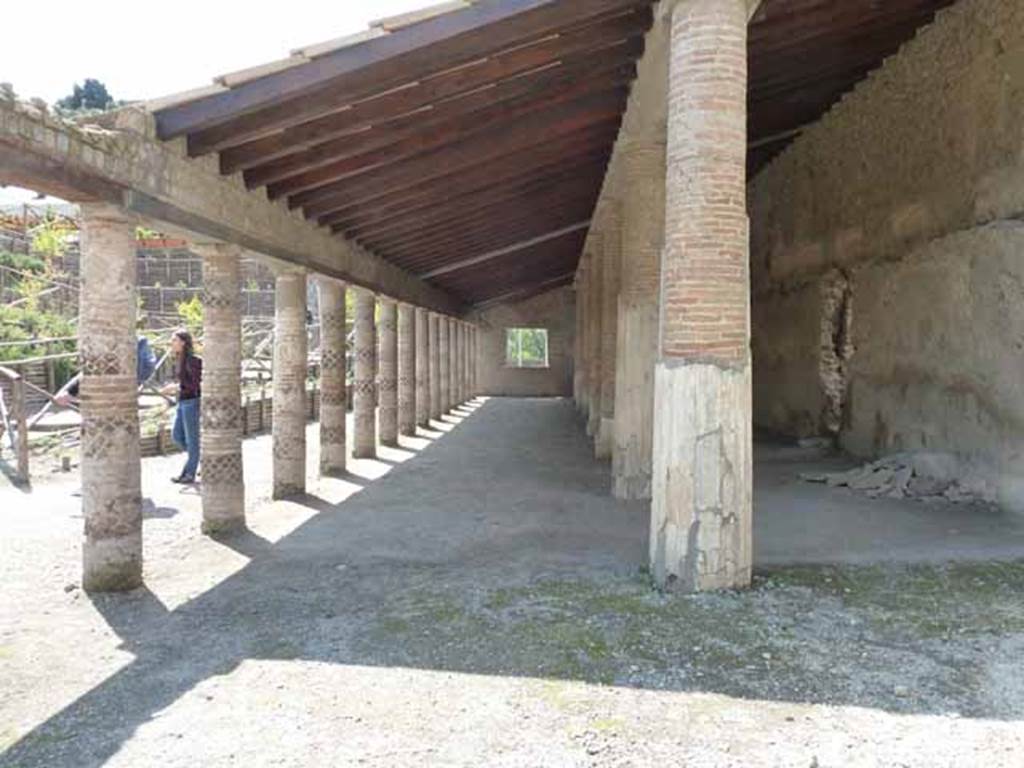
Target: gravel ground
{"type": "Point", "coordinates": [475, 598]}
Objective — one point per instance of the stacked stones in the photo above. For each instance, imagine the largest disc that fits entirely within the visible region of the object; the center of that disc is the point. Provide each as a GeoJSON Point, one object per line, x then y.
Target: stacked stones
{"type": "Point", "coordinates": [387, 387]}
{"type": "Point", "coordinates": [364, 390]}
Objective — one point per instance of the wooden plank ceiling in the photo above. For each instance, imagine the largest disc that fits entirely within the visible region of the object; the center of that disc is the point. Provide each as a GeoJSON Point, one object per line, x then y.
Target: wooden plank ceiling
{"type": "Point", "coordinates": [467, 143]}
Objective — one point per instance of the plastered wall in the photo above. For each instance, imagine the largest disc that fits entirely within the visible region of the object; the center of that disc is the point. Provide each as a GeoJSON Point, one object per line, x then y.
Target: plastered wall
{"type": "Point", "coordinates": [556, 311]}
{"type": "Point", "coordinates": [887, 254]}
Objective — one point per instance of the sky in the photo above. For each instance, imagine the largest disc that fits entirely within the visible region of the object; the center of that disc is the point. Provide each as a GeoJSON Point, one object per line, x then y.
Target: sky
{"type": "Point", "coordinates": [142, 50]}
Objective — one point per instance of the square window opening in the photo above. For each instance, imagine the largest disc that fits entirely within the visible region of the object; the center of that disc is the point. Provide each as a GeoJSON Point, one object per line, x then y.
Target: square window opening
{"type": "Point", "coordinates": [526, 348]}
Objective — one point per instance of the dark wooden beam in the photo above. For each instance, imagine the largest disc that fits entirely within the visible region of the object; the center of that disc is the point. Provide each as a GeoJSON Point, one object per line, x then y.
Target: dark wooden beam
{"type": "Point", "coordinates": [600, 110]}
{"type": "Point", "coordinates": [461, 207]}
{"type": "Point", "coordinates": [441, 92]}
{"type": "Point", "coordinates": [491, 215]}
{"type": "Point", "coordinates": [392, 143]}
{"type": "Point", "coordinates": [522, 245]}
{"type": "Point", "coordinates": [548, 158]}
{"type": "Point", "coordinates": [426, 255]}
{"type": "Point", "coordinates": [284, 98]}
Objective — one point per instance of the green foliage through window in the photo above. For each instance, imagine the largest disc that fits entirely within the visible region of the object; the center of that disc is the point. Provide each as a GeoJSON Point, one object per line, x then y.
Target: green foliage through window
{"type": "Point", "coordinates": [526, 347]}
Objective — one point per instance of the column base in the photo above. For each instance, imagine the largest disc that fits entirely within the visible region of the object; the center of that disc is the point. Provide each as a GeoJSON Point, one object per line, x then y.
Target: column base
{"type": "Point", "coordinates": [631, 487]}
{"type": "Point", "coordinates": [701, 510]}
{"type": "Point", "coordinates": [222, 526]}
{"type": "Point", "coordinates": [604, 438]}
{"type": "Point", "coordinates": [112, 565]}
{"type": "Point", "coordinates": [287, 490]}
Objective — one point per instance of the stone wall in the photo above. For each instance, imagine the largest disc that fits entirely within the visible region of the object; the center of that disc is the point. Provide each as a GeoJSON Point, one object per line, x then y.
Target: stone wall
{"type": "Point", "coordinates": [887, 255]}
{"type": "Point", "coordinates": [555, 311]}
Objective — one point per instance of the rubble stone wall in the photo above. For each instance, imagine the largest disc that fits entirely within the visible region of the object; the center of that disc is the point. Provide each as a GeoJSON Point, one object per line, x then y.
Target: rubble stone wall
{"type": "Point", "coordinates": [887, 256]}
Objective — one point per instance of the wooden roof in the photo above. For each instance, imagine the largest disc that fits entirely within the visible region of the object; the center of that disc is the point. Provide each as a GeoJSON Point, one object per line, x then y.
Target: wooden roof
{"type": "Point", "coordinates": [467, 142]}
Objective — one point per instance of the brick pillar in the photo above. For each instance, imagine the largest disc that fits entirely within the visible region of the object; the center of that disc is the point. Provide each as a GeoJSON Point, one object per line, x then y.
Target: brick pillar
{"type": "Point", "coordinates": [422, 367]}
{"type": "Point", "coordinates": [596, 273]}
{"type": "Point", "coordinates": [444, 350]}
{"type": "Point", "coordinates": [223, 486]}
{"type": "Point", "coordinates": [406, 369]}
{"type": "Point", "coordinates": [473, 383]}
{"type": "Point", "coordinates": [111, 473]}
{"type": "Point", "coordinates": [453, 363]}
{"type": "Point", "coordinates": [333, 398]}
{"type": "Point", "coordinates": [387, 378]}
{"type": "Point", "coordinates": [364, 390]}
{"type": "Point", "coordinates": [289, 400]}
{"type": "Point", "coordinates": [642, 178]}
{"type": "Point", "coordinates": [611, 257]}
{"type": "Point", "coordinates": [435, 366]}
{"type": "Point", "coordinates": [701, 482]}
{"type": "Point", "coordinates": [577, 341]}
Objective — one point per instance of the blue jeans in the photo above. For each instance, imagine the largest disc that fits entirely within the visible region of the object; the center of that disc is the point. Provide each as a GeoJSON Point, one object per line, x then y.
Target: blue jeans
{"type": "Point", "coordinates": [186, 433]}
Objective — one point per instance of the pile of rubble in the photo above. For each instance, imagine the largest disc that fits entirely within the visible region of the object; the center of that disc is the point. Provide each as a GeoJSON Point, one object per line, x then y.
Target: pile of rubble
{"type": "Point", "coordinates": [901, 476]}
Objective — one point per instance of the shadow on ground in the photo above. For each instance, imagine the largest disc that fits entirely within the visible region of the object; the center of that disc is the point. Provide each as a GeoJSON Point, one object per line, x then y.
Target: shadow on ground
{"type": "Point", "coordinates": [498, 551]}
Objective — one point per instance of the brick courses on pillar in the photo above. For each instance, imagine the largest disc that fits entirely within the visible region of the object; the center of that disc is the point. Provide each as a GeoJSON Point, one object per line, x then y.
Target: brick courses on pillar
{"type": "Point", "coordinates": [387, 378]}
{"type": "Point", "coordinates": [453, 363]}
{"type": "Point", "coordinates": [422, 367]}
{"type": "Point", "coordinates": [289, 400]}
{"type": "Point", "coordinates": [333, 374]}
{"type": "Point", "coordinates": [111, 474]}
{"type": "Point", "coordinates": [364, 389]}
{"type": "Point", "coordinates": [701, 480]}
{"type": "Point", "coordinates": [223, 486]}
{"type": "Point", "coordinates": [435, 365]}
{"type": "Point", "coordinates": [406, 369]}
{"type": "Point", "coordinates": [460, 362]}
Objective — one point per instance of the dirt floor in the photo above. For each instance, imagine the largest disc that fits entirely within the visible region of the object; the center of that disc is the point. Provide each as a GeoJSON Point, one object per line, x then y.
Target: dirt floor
{"type": "Point", "coordinates": [477, 598]}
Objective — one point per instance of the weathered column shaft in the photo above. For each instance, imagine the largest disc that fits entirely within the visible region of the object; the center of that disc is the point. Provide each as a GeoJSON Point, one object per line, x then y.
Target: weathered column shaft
{"type": "Point", "coordinates": [223, 487]}
{"type": "Point", "coordinates": [701, 484]}
{"type": "Point", "coordinates": [472, 362]}
{"type": "Point", "coordinates": [289, 401]}
{"type": "Point", "coordinates": [642, 176]}
{"type": "Point", "coordinates": [406, 369]}
{"type": "Point", "coordinates": [611, 255]}
{"type": "Point", "coordinates": [422, 367]}
{"type": "Point", "coordinates": [333, 373]}
{"type": "Point", "coordinates": [583, 281]}
{"type": "Point", "coordinates": [387, 378]}
{"type": "Point", "coordinates": [435, 366]}
{"type": "Point", "coordinates": [364, 389]}
{"type": "Point", "coordinates": [460, 345]}
{"type": "Point", "coordinates": [596, 240]}
{"type": "Point", "coordinates": [111, 474]}
{"type": "Point", "coordinates": [444, 363]}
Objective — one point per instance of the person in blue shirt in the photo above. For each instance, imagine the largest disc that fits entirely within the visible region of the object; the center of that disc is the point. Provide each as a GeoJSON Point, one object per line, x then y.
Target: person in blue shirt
{"type": "Point", "coordinates": [145, 364]}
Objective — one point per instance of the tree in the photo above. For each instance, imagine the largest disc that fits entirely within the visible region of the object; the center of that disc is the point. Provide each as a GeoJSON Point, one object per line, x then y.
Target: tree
{"type": "Point", "coordinates": [91, 94]}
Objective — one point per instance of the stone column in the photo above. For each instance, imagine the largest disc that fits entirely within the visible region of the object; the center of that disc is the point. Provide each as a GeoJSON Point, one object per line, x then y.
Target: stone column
{"type": "Point", "coordinates": [611, 256]}
{"type": "Point", "coordinates": [596, 272]}
{"type": "Point", "coordinates": [453, 362]}
{"type": "Point", "coordinates": [583, 297]}
{"type": "Point", "coordinates": [435, 366]}
{"type": "Point", "coordinates": [333, 397]}
{"type": "Point", "coordinates": [701, 482]}
{"type": "Point", "coordinates": [460, 365]}
{"type": "Point", "coordinates": [111, 473]}
{"type": "Point", "coordinates": [406, 369]}
{"type": "Point", "coordinates": [422, 367]}
{"type": "Point", "coordinates": [289, 400]}
{"type": "Point", "coordinates": [364, 390]}
{"type": "Point", "coordinates": [471, 361]}
{"type": "Point", "coordinates": [642, 157]}
{"type": "Point", "coordinates": [223, 486]}
{"type": "Point", "coordinates": [444, 363]}
{"type": "Point", "coordinates": [387, 379]}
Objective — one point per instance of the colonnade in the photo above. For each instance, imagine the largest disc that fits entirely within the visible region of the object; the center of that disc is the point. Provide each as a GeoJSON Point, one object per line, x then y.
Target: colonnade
{"type": "Point", "coordinates": [410, 365]}
{"type": "Point", "coordinates": [662, 378]}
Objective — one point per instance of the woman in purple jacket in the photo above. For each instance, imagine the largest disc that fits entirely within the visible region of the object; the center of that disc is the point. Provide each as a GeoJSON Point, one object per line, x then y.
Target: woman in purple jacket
{"type": "Point", "coordinates": [188, 370]}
